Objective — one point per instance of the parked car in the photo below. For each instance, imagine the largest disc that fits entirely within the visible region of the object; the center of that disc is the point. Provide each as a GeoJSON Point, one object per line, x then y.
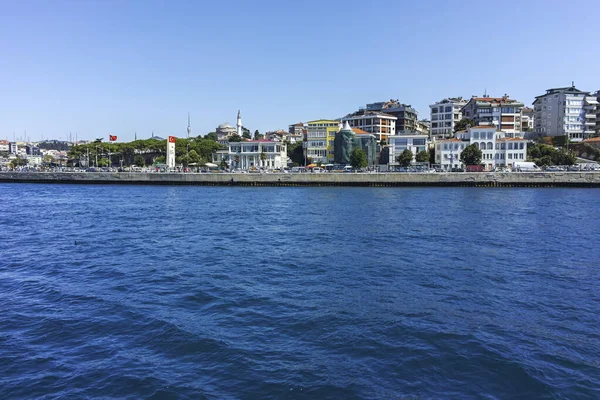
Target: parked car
{"type": "Point", "coordinates": [553, 168]}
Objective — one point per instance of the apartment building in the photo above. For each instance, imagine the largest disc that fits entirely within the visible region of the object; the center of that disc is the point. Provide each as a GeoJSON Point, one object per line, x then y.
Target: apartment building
{"type": "Point", "coordinates": [320, 138]}
{"type": "Point", "coordinates": [407, 118]}
{"type": "Point", "coordinates": [566, 111]}
{"type": "Point", "coordinates": [444, 115]}
{"type": "Point", "coordinates": [424, 127]}
{"type": "Point", "coordinates": [597, 96]}
{"type": "Point", "coordinates": [380, 124]}
{"type": "Point", "coordinates": [527, 118]}
{"type": "Point", "coordinates": [502, 113]}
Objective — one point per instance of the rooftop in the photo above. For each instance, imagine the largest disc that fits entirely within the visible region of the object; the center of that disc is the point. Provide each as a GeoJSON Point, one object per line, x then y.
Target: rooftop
{"type": "Point", "coordinates": [359, 131]}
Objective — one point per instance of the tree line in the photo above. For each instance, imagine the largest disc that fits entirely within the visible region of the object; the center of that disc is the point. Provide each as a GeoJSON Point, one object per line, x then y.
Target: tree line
{"type": "Point", "coordinates": [142, 153]}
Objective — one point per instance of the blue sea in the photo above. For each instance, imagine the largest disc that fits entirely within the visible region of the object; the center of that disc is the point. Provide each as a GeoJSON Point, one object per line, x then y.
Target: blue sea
{"type": "Point", "coordinates": [136, 292]}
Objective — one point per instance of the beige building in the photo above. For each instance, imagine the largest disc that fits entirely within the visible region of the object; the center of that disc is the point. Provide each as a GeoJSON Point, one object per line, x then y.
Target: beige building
{"type": "Point", "coordinates": [502, 113]}
{"type": "Point", "coordinates": [380, 124]}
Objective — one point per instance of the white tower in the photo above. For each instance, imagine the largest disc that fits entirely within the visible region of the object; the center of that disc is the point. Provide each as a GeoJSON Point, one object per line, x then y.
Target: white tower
{"type": "Point", "coordinates": [189, 128]}
{"type": "Point", "coordinates": [239, 124]}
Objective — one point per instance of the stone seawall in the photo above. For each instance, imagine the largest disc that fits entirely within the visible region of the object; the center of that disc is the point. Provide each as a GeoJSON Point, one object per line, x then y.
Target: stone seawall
{"type": "Point", "coordinates": [476, 179]}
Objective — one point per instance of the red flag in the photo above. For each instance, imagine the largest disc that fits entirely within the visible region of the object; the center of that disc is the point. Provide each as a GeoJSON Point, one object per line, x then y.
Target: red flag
{"type": "Point", "coordinates": [112, 138]}
{"type": "Point", "coordinates": [171, 139]}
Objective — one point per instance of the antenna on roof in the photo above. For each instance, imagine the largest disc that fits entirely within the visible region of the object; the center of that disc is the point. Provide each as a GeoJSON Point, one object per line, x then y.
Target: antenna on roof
{"type": "Point", "coordinates": [485, 92]}
{"type": "Point", "coordinates": [572, 83]}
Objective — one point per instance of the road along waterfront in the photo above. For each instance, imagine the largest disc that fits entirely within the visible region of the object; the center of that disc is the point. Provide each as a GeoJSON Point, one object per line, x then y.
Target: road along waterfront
{"type": "Point", "coordinates": [474, 179]}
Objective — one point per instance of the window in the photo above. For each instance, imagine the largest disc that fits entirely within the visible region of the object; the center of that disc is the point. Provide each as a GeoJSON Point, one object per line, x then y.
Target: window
{"type": "Point", "coordinates": [475, 135]}
{"type": "Point", "coordinates": [510, 156]}
{"type": "Point", "coordinates": [418, 142]}
{"type": "Point", "coordinates": [449, 109]}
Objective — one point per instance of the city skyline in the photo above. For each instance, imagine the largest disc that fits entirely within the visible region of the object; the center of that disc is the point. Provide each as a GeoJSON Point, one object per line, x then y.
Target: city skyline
{"type": "Point", "coordinates": [94, 69]}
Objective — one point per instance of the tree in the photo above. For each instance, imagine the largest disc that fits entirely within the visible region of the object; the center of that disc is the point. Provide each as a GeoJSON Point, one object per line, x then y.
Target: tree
{"type": "Point", "coordinates": [235, 138]}
{"type": "Point", "coordinates": [246, 133]}
{"type": "Point", "coordinates": [463, 124]}
{"type": "Point", "coordinates": [183, 159]}
{"type": "Point", "coordinates": [236, 158]}
{"type": "Point", "coordinates": [257, 135]}
{"type": "Point", "coordinates": [160, 160]}
{"type": "Point", "coordinates": [263, 158]}
{"type": "Point", "coordinates": [422, 156]}
{"type": "Point", "coordinates": [319, 163]}
{"type": "Point", "coordinates": [432, 156]}
{"type": "Point", "coordinates": [211, 136]}
{"type": "Point", "coordinates": [295, 152]}
{"type": "Point", "coordinates": [139, 161]}
{"type": "Point", "coordinates": [18, 162]}
{"type": "Point", "coordinates": [224, 164]}
{"type": "Point", "coordinates": [471, 155]}
{"type": "Point", "coordinates": [195, 158]}
{"type": "Point", "coordinates": [560, 141]}
{"type": "Point", "coordinates": [103, 162]}
{"type": "Point", "coordinates": [358, 158]}
{"type": "Point", "coordinates": [405, 158]}
{"type": "Point", "coordinates": [48, 159]}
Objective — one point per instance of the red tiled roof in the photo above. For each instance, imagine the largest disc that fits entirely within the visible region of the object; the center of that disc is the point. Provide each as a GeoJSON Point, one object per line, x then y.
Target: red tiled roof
{"type": "Point", "coordinates": [596, 139]}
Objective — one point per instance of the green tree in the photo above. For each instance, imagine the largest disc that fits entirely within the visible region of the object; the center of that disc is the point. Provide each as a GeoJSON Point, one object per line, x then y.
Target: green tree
{"type": "Point", "coordinates": [246, 133]}
{"type": "Point", "coordinates": [471, 155]}
{"type": "Point", "coordinates": [560, 141]}
{"type": "Point", "coordinates": [183, 159]}
{"type": "Point", "coordinates": [235, 138]}
{"type": "Point", "coordinates": [422, 156]}
{"type": "Point", "coordinates": [263, 157]}
{"type": "Point", "coordinates": [358, 158]}
{"type": "Point", "coordinates": [236, 158]}
{"type": "Point", "coordinates": [195, 158]}
{"type": "Point", "coordinates": [211, 136]}
{"type": "Point", "coordinates": [319, 163]}
{"type": "Point", "coordinates": [296, 153]}
{"type": "Point", "coordinates": [139, 161]}
{"type": "Point", "coordinates": [257, 135]}
{"type": "Point", "coordinates": [405, 158]}
{"type": "Point", "coordinates": [18, 162]}
{"type": "Point", "coordinates": [160, 160]}
{"type": "Point", "coordinates": [463, 124]}
{"type": "Point", "coordinates": [48, 159]}
{"type": "Point", "coordinates": [103, 162]}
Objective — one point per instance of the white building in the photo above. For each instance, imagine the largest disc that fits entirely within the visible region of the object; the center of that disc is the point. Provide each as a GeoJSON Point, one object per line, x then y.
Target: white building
{"type": "Point", "coordinates": [527, 118]}
{"type": "Point", "coordinates": [380, 124]}
{"type": "Point", "coordinates": [399, 143]}
{"type": "Point", "coordinates": [497, 149]}
{"type": "Point", "coordinates": [249, 155]}
{"type": "Point", "coordinates": [4, 146]}
{"type": "Point", "coordinates": [444, 115]}
{"type": "Point", "coordinates": [565, 111]}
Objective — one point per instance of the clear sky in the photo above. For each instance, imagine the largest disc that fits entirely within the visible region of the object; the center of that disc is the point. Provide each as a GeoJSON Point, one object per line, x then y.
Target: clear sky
{"type": "Point", "coordinates": [119, 67]}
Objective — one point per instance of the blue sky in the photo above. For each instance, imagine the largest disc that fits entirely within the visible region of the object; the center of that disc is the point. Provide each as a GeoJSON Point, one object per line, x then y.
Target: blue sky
{"type": "Point", "coordinates": [119, 67]}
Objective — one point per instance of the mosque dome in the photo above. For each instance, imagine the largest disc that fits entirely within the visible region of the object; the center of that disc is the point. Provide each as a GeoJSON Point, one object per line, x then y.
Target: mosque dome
{"type": "Point", "coordinates": [225, 125]}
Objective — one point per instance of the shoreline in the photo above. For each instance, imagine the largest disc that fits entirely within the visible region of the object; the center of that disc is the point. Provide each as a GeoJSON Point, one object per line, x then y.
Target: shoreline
{"type": "Point", "coordinates": [438, 179]}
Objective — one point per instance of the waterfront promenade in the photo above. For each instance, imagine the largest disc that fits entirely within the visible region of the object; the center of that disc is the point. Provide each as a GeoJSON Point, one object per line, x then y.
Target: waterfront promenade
{"type": "Point", "coordinates": [476, 179]}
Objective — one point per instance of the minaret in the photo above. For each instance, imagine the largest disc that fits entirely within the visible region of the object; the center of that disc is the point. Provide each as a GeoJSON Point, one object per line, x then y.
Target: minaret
{"type": "Point", "coordinates": [189, 128]}
{"type": "Point", "coordinates": [239, 124]}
